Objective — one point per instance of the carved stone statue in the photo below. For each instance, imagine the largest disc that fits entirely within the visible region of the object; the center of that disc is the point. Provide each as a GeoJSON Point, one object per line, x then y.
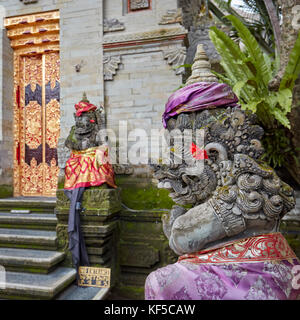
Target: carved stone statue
{"type": "Point", "coordinates": [88, 166]}
{"type": "Point", "coordinates": [86, 131]}
{"type": "Point", "coordinates": [235, 195]}
{"type": "Point", "coordinates": [228, 240]}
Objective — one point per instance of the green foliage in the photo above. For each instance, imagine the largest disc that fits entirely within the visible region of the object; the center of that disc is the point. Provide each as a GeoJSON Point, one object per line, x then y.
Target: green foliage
{"type": "Point", "coordinates": [249, 72]}
{"type": "Point", "coordinates": [257, 19]}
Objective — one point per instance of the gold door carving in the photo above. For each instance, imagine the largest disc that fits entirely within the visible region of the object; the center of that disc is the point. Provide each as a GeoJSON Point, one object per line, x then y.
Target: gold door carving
{"type": "Point", "coordinates": [35, 40]}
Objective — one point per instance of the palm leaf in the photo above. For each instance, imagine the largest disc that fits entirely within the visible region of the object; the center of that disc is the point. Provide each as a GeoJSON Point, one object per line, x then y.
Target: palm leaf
{"type": "Point", "coordinates": [254, 50]}
{"type": "Point", "coordinates": [293, 67]}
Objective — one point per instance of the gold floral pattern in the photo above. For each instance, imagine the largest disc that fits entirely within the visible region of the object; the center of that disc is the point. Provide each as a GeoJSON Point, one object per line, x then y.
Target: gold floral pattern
{"type": "Point", "coordinates": [35, 40]}
{"type": "Point", "coordinates": [52, 123]}
{"type": "Point", "coordinates": [33, 125]}
{"type": "Point", "coordinates": [52, 64]}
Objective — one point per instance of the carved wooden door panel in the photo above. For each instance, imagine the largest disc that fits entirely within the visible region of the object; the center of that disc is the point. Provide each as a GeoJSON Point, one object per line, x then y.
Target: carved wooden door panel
{"type": "Point", "coordinates": [35, 41]}
{"type": "Point", "coordinates": [39, 116]}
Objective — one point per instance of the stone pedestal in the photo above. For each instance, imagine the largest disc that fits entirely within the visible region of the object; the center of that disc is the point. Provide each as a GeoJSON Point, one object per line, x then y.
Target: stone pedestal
{"type": "Point", "coordinates": [99, 222]}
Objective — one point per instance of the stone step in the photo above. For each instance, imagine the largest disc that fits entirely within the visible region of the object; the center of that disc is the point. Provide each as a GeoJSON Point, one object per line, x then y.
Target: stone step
{"type": "Point", "coordinates": [83, 293]}
{"type": "Point", "coordinates": [21, 285]}
{"type": "Point", "coordinates": [38, 261]}
{"type": "Point", "coordinates": [34, 204]}
{"type": "Point", "coordinates": [40, 221]}
{"type": "Point", "coordinates": [29, 239]}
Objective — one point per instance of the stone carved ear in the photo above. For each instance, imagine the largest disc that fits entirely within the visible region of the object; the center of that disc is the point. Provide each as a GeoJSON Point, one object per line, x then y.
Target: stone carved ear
{"type": "Point", "coordinates": [216, 152]}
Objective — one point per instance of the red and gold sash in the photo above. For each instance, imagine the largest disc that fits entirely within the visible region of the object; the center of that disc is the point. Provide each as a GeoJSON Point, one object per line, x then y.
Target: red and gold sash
{"type": "Point", "coordinates": [89, 168]}
{"type": "Point", "coordinates": [272, 246]}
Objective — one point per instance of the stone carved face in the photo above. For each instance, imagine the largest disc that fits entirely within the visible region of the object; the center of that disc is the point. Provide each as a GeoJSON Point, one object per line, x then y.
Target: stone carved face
{"type": "Point", "coordinates": [86, 132]}
{"type": "Point", "coordinates": [85, 123]}
{"type": "Point", "coordinates": [234, 190]}
{"type": "Point", "coordinates": [226, 132]}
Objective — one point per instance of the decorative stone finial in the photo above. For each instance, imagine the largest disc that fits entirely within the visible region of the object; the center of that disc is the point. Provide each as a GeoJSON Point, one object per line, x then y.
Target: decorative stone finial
{"type": "Point", "coordinates": [201, 69]}
{"type": "Point", "coordinates": [84, 98]}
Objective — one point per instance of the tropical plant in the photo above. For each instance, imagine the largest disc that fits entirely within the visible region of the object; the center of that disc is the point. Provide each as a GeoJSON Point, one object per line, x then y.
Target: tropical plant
{"type": "Point", "coordinates": [261, 17]}
{"type": "Point", "coordinates": [249, 72]}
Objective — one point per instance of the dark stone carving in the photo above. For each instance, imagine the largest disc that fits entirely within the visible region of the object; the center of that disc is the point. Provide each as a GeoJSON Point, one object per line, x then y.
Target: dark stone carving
{"type": "Point", "coordinates": [88, 130]}
{"type": "Point", "coordinates": [198, 35]}
{"type": "Point", "coordinates": [236, 195]}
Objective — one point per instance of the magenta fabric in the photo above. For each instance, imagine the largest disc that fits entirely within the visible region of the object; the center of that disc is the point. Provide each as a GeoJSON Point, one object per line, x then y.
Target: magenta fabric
{"type": "Point", "coordinates": [229, 281]}
{"type": "Point", "coordinates": [261, 267]}
{"type": "Point", "coordinates": [198, 96]}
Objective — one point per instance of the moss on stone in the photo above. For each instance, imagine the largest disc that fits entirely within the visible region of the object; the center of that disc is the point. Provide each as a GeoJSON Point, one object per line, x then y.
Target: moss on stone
{"type": "Point", "coordinates": [139, 195]}
{"type": "Point", "coordinates": [6, 191]}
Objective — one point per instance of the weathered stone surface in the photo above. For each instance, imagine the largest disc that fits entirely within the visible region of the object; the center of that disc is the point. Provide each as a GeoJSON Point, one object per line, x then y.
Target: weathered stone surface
{"type": "Point", "coordinates": [138, 255]}
{"type": "Point", "coordinates": [143, 248]}
{"type": "Point", "coordinates": [98, 201]}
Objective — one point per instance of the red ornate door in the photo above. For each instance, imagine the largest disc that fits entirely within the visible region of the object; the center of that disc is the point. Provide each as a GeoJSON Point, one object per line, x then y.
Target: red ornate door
{"type": "Point", "coordinates": [39, 116]}
{"type": "Point", "coordinates": [35, 40]}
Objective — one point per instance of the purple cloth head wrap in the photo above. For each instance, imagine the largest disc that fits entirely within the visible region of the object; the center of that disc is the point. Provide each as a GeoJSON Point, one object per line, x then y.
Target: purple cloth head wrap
{"type": "Point", "coordinates": [199, 96]}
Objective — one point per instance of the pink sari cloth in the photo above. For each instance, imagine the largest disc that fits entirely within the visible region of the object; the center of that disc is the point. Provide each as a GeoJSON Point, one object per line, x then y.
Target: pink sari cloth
{"type": "Point", "coordinates": [199, 96]}
{"type": "Point", "coordinates": [256, 268]}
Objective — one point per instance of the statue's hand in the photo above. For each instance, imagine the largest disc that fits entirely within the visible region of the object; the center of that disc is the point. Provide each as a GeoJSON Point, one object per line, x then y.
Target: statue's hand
{"type": "Point", "coordinates": [168, 219]}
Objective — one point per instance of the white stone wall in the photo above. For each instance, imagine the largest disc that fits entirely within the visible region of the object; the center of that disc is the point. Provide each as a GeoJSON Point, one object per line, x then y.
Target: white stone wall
{"type": "Point", "coordinates": [138, 91]}
{"type": "Point", "coordinates": [81, 34]}
{"type": "Point", "coordinates": [144, 79]}
{"type": "Point", "coordinates": [139, 20]}
{"type": "Point", "coordinates": [140, 88]}
{"type": "Point", "coordinates": [81, 43]}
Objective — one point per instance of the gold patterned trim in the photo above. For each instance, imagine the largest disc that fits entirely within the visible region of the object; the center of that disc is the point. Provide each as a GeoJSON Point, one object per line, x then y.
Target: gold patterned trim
{"type": "Point", "coordinates": [51, 16]}
{"type": "Point", "coordinates": [34, 34]}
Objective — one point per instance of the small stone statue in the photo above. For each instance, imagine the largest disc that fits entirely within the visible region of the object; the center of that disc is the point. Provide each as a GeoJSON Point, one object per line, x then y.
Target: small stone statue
{"type": "Point", "coordinates": [88, 166]}
{"type": "Point", "coordinates": [88, 123]}
{"type": "Point", "coordinates": [228, 242]}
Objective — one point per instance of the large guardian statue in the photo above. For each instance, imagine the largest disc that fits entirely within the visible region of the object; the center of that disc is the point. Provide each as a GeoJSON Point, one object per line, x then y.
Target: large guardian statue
{"type": "Point", "coordinates": [227, 237]}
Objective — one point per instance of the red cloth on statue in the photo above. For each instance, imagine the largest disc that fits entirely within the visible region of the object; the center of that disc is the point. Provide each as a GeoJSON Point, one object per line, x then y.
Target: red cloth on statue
{"type": "Point", "coordinates": [89, 168]}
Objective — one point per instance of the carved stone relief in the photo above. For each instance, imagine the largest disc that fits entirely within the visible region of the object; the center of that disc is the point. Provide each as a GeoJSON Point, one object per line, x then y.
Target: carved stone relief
{"type": "Point", "coordinates": [172, 16]}
{"type": "Point", "coordinates": [110, 66]}
{"type": "Point", "coordinates": [176, 57]}
{"type": "Point", "coordinates": [110, 25]}
{"type": "Point", "coordinates": [139, 4]}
